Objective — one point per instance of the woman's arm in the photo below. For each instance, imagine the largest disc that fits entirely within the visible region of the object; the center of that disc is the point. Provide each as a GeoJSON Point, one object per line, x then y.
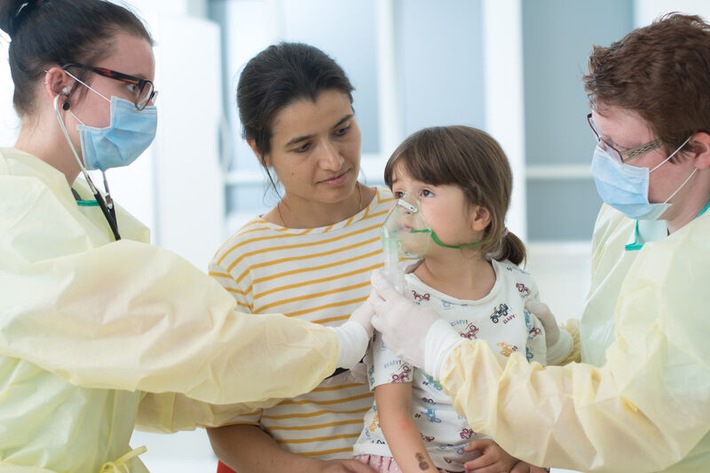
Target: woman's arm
{"type": "Point", "coordinates": [394, 407]}
{"type": "Point", "coordinates": [248, 449]}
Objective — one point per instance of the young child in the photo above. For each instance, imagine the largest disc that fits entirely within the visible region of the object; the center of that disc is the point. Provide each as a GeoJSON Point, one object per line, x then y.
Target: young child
{"type": "Point", "coordinates": [460, 180]}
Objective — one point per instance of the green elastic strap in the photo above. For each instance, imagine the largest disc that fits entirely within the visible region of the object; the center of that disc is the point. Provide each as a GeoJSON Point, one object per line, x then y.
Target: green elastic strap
{"type": "Point", "coordinates": [442, 244]}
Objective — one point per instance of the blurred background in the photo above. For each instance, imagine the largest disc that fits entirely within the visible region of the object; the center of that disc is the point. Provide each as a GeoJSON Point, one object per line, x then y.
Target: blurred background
{"type": "Point", "coordinates": [510, 67]}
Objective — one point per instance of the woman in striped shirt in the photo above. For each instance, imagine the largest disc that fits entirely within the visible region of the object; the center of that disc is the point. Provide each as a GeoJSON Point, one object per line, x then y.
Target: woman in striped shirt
{"type": "Point", "coordinates": [308, 257]}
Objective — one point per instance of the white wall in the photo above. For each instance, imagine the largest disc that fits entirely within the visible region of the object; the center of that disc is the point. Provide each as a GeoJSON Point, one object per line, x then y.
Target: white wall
{"type": "Point", "coordinates": [502, 48]}
{"type": "Point", "coordinates": [9, 122]}
{"type": "Point", "coordinates": [647, 10]}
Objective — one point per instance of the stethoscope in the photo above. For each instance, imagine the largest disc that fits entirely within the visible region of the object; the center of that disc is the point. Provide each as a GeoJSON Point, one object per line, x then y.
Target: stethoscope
{"type": "Point", "coordinates": [106, 204]}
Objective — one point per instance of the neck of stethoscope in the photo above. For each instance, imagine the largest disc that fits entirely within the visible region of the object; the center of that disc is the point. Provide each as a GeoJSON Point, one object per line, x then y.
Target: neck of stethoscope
{"type": "Point", "coordinates": [106, 205]}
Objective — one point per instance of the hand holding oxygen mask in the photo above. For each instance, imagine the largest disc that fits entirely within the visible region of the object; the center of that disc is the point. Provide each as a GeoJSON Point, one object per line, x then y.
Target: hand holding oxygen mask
{"type": "Point", "coordinates": [405, 235]}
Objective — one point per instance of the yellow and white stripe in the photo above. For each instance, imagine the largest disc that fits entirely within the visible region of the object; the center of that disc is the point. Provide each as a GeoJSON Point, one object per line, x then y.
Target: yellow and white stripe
{"type": "Point", "coordinates": [321, 275]}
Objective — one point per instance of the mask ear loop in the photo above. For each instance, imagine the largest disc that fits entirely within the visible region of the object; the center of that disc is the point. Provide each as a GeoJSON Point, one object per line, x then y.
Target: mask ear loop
{"type": "Point", "coordinates": [108, 210]}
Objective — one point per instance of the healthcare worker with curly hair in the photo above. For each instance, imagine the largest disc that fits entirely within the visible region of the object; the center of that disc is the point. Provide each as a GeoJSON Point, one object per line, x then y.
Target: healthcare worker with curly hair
{"type": "Point", "coordinates": [99, 330]}
{"type": "Point", "coordinates": [640, 400]}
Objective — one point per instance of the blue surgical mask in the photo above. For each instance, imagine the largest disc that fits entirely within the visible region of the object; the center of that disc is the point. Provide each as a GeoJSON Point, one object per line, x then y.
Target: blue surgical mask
{"type": "Point", "coordinates": [625, 187]}
{"type": "Point", "coordinates": [130, 133]}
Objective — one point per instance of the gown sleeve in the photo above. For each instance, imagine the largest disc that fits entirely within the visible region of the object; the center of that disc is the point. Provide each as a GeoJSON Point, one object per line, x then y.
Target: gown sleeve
{"type": "Point", "coordinates": [132, 316]}
{"type": "Point", "coordinates": [646, 409]}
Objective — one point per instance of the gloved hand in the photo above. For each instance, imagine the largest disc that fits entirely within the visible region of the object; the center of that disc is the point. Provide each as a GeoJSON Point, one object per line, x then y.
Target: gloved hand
{"type": "Point", "coordinates": [363, 315]}
{"type": "Point", "coordinates": [559, 342]}
{"type": "Point", "coordinates": [540, 310]}
{"type": "Point", "coordinates": [403, 325]}
{"type": "Point", "coordinates": [415, 334]}
{"type": "Point", "coordinates": [354, 336]}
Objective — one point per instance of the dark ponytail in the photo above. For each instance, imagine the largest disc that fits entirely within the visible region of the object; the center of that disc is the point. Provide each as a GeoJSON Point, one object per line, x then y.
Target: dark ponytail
{"type": "Point", "coordinates": [510, 248]}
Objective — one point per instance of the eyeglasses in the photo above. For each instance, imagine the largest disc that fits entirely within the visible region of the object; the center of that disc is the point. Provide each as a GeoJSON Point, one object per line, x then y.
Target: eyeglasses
{"type": "Point", "coordinates": [143, 93]}
{"type": "Point", "coordinates": [626, 155]}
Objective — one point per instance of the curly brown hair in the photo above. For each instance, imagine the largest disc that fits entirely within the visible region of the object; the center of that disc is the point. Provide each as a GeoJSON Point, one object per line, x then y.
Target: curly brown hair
{"type": "Point", "coordinates": [660, 71]}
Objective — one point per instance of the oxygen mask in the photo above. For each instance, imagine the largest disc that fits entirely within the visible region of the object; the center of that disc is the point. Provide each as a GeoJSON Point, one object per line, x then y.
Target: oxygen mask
{"type": "Point", "coordinates": [405, 236]}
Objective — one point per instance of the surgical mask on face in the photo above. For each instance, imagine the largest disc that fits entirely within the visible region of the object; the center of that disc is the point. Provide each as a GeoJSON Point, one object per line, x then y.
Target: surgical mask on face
{"type": "Point", "coordinates": [625, 187]}
{"type": "Point", "coordinates": [130, 133]}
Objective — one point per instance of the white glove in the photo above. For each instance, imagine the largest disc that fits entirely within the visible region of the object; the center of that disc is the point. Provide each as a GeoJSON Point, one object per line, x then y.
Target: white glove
{"type": "Point", "coordinates": [540, 310]}
{"type": "Point", "coordinates": [363, 315]}
{"type": "Point", "coordinates": [559, 342]}
{"type": "Point", "coordinates": [415, 334]}
{"type": "Point", "coordinates": [354, 335]}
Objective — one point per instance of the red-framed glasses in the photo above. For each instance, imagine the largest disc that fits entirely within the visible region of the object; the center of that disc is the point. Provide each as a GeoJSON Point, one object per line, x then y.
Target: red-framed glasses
{"type": "Point", "coordinates": [144, 91]}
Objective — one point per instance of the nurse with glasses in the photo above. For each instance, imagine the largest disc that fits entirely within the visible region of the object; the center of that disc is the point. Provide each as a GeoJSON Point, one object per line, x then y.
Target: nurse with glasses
{"type": "Point", "coordinates": [130, 132]}
{"type": "Point", "coordinates": [625, 186]}
{"type": "Point", "coordinates": [101, 331]}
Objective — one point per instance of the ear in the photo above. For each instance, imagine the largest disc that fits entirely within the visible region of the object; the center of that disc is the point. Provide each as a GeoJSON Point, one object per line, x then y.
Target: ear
{"type": "Point", "coordinates": [701, 147]}
{"type": "Point", "coordinates": [56, 82]}
{"type": "Point", "coordinates": [480, 218]}
{"type": "Point", "coordinates": [262, 159]}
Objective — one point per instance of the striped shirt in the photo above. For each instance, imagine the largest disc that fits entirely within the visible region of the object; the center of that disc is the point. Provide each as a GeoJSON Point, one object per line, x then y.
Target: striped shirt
{"type": "Point", "coordinates": [321, 275]}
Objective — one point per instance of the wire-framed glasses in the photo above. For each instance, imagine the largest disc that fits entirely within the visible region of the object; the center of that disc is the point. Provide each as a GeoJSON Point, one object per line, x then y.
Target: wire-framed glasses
{"type": "Point", "coordinates": [144, 91]}
{"type": "Point", "coordinates": [628, 154]}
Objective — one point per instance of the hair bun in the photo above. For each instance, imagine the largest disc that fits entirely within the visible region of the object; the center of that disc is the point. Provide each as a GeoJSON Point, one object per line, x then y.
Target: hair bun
{"type": "Point", "coordinates": [15, 12]}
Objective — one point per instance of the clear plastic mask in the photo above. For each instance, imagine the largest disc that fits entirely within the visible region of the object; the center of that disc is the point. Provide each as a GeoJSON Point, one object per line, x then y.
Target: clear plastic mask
{"type": "Point", "coordinates": [405, 236]}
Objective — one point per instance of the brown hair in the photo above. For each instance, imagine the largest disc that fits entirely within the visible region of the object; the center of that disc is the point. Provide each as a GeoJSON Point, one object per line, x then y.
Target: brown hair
{"type": "Point", "coordinates": [275, 78]}
{"type": "Point", "coordinates": [661, 72]}
{"type": "Point", "coordinates": [472, 160]}
{"type": "Point", "coordinates": [57, 32]}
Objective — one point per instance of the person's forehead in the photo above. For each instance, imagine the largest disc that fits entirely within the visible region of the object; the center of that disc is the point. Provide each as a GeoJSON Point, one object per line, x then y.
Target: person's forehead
{"type": "Point", "coordinates": [130, 54]}
{"type": "Point", "coordinates": [305, 117]}
{"type": "Point", "coordinates": [613, 121]}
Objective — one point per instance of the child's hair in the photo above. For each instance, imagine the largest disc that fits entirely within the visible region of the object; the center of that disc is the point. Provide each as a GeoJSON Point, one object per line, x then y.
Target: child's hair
{"type": "Point", "coordinates": [472, 160]}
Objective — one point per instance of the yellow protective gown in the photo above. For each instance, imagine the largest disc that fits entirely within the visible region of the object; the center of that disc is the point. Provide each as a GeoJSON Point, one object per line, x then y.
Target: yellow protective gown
{"type": "Point", "coordinates": [97, 335]}
{"type": "Point", "coordinates": [643, 405]}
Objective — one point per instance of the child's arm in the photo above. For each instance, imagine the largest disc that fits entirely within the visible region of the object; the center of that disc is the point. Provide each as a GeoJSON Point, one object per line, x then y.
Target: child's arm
{"type": "Point", "coordinates": [394, 407]}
